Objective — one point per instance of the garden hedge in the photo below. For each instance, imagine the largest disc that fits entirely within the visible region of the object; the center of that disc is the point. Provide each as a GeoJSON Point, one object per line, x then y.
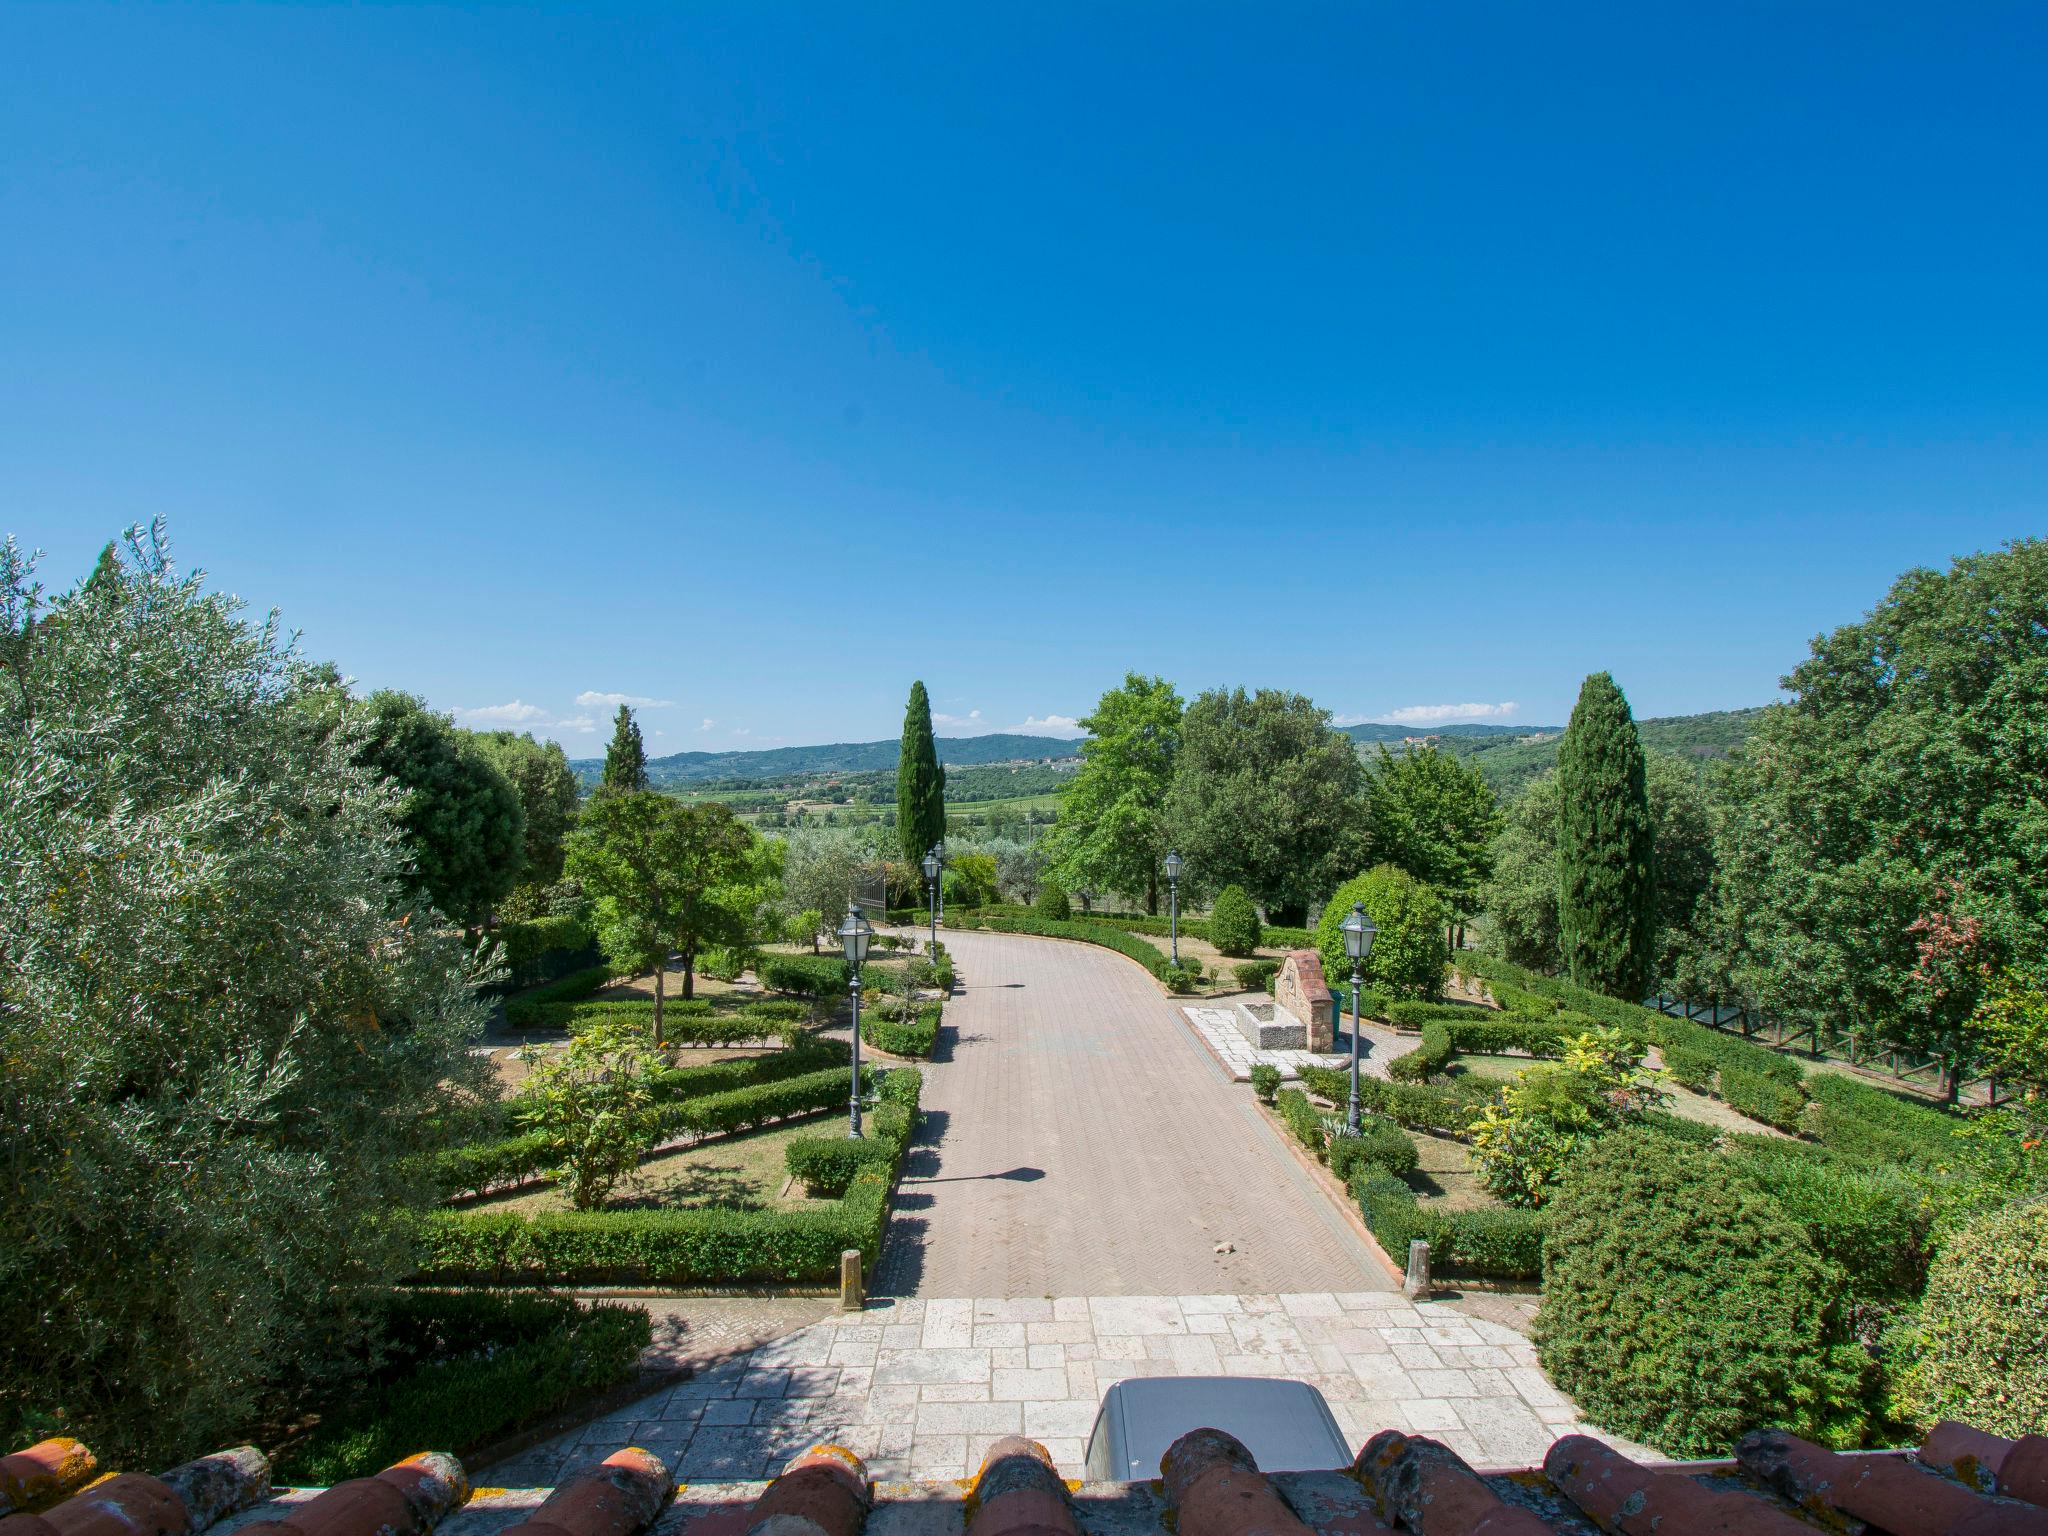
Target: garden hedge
{"type": "Point", "coordinates": [1974, 1351]}
{"type": "Point", "coordinates": [1871, 1220]}
{"type": "Point", "coordinates": [1496, 1242]}
{"type": "Point", "coordinates": [1154, 959]}
{"type": "Point", "coordinates": [714, 1245]}
{"type": "Point", "coordinates": [695, 1022]}
{"type": "Point", "coordinates": [1682, 1307]}
{"type": "Point", "coordinates": [1272, 936]}
{"type": "Point", "coordinates": [1379, 1144]}
{"type": "Point", "coordinates": [1446, 1108]}
{"type": "Point", "coordinates": [466, 1368]}
{"type": "Point", "coordinates": [484, 1166]}
{"type": "Point", "coordinates": [1256, 975]}
{"type": "Point", "coordinates": [914, 1036]}
{"type": "Point", "coordinates": [577, 984]}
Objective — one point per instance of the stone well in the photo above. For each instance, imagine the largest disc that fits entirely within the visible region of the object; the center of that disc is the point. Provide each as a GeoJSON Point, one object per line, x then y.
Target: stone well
{"type": "Point", "coordinates": [1269, 1027]}
{"type": "Point", "coordinates": [1302, 992]}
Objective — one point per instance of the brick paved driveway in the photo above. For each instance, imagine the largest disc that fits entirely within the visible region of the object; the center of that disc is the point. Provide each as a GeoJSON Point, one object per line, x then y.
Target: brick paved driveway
{"type": "Point", "coordinates": [1079, 1141]}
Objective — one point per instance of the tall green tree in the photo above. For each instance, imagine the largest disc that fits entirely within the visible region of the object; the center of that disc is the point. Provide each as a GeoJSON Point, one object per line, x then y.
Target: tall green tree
{"type": "Point", "coordinates": [540, 775]}
{"type": "Point", "coordinates": [656, 870]}
{"type": "Point", "coordinates": [920, 781]}
{"type": "Point", "coordinates": [1606, 848]}
{"type": "Point", "coordinates": [625, 760]}
{"type": "Point", "coordinates": [1898, 793]}
{"type": "Point", "coordinates": [1435, 817]}
{"type": "Point", "coordinates": [1111, 831]}
{"type": "Point", "coordinates": [1268, 796]}
{"type": "Point", "coordinates": [228, 1030]}
{"type": "Point", "coordinates": [1520, 897]}
{"type": "Point", "coordinates": [461, 816]}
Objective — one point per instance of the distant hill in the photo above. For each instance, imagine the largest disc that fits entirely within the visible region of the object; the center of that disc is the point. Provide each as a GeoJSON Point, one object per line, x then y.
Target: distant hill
{"type": "Point", "coordinates": [1510, 759]}
{"type": "Point", "coordinates": [1376, 731]}
{"type": "Point", "coordinates": [838, 757]}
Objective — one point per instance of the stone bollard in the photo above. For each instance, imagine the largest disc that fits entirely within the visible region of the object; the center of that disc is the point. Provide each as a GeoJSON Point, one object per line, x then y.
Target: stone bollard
{"type": "Point", "coordinates": [1417, 1283]}
{"type": "Point", "coordinates": [851, 1298]}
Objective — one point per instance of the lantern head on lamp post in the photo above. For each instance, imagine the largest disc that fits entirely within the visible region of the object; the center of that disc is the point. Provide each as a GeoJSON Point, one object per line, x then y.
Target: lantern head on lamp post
{"type": "Point", "coordinates": [1359, 933]}
{"type": "Point", "coordinates": [1173, 867]}
{"type": "Point", "coordinates": [932, 867]}
{"type": "Point", "coordinates": [854, 935]}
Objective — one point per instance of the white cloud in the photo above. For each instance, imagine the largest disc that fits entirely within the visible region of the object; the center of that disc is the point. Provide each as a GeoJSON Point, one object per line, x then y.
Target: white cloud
{"type": "Point", "coordinates": [515, 713]}
{"type": "Point", "coordinates": [975, 723]}
{"type": "Point", "coordinates": [577, 723]}
{"type": "Point", "coordinates": [1049, 725]}
{"type": "Point", "coordinates": [708, 723]}
{"type": "Point", "coordinates": [590, 699]}
{"type": "Point", "coordinates": [1435, 714]}
{"type": "Point", "coordinates": [741, 730]}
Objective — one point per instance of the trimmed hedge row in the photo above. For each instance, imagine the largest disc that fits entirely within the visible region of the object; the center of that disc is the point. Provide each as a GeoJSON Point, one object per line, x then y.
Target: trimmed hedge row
{"type": "Point", "coordinates": [1484, 1034]}
{"type": "Point", "coordinates": [681, 1024]}
{"type": "Point", "coordinates": [1497, 1241]}
{"type": "Point", "coordinates": [744, 1109]}
{"type": "Point", "coordinates": [577, 984]}
{"type": "Point", "coordinates": [1184, 979]}
{"type": "Point", "coordinates": [1446, 1108]}
{"type": "Point", "coordinates": [1256, 975]}
{"type": "Point", "coordinates": [828, 1165]}
{"type": "Point", "coordinates": [1870, 1220]}
{"type": "Point", "coordinates": [1160, 927]}
{"type": "Point", "coordinates": [1758, 1082]}
{"type": "Point", "coordinates": [551, 1352]}
{"type": "Point", "coordinates": [706, 1246]}
{"type": "Point", "coordinates": [1378, 1144]}
{"type": "Point", "coordinates": [1863, 1122]}
{"type": "Point", "coordinates": [914, 1036]}
{"type": "Point", "coordinates": [483, 1166]}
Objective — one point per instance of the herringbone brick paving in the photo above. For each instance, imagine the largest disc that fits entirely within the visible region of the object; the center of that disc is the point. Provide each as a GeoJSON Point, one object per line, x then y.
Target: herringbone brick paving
{"type": "Point", "coordinates": [1080, 1142]}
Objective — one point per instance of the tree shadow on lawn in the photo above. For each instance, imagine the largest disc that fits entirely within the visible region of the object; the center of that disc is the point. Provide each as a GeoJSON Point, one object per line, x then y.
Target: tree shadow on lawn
{"type": "Point", "coordinates": [726, 1184]}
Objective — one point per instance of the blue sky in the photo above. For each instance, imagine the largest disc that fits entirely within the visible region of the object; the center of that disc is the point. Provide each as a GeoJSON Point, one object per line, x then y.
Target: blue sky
{"type": "Point", "coordinates": [754, 359]}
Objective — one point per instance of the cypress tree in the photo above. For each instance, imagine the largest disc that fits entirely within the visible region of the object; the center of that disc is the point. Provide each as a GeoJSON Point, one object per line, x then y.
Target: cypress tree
{"type": "Point", "coordinates": [625, 760]}
{"type": "Point", "coordinates": [920, 781]}
{"type": "Point", "coordinates": [1606, 855]}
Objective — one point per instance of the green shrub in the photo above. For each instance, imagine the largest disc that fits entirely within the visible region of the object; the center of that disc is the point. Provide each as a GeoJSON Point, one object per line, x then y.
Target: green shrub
{"type": "Point", "coordinates": [1234, 922]}
{"type": "Point", "coordinates": [1052, 903]}
{"type": "Point", "coordinates": [1302, 1117]}
{"type": "Point", "coordinates": [1682, 1307]}
{"type": "Point", "coordinates": [1868, 1124]}
{"type": "Point", "coordinates": [819, 976]}
{"type": "Point", "coordinates": [1255, 975]}
{"type": "Point", "coordinates": [1379, 1144]}
{"type": "Point", "coordinates": [467, 1368]}
{"type": "Point", "coordinates": [1871, 1221]}
{"type": "Point", "coordinates": [1429, 1057]}
{"type": "Point", "coordinates": [743, 1109]}
{"type": "Point", "coordinates": [1408, 957]}
{"type": "Point", "coordinates": [577, 984]}
{"type": "Point", "coordinates": [828, 1164]}
{"type": "Point", "coordinates": [913, 1036]}
{"type": "Point", "coordinates": [1763, 1099]}
{"type": "Point", "coordinates": [1494, 1242]}
{"type": "Point", "coordinates": [1184, 977]}
{"type": "Point", "coordinates": [1443, 1107]}
{"type": "Point", "coordinates": [1974, 1352]}
{"type": "Point", "coordinates": [1408, 1013]}
{"type": "Point", "coordinates": [1538, 1124]}
{"type": "Point", "coordinates": [1265, 1082]}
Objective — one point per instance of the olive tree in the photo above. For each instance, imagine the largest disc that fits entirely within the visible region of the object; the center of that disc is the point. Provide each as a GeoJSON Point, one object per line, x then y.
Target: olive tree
{"type": "Point", "coordinates": [227, 1023]}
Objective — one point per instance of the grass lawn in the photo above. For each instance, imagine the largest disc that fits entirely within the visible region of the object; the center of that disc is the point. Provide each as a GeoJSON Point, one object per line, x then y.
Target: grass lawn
{"type": "Point", "coordinates": [1443, 1175]}
{"type": "Point", "coordinates": [746, 1172]}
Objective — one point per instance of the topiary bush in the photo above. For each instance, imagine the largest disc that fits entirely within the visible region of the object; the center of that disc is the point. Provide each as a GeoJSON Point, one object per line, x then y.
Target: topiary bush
{"type": "Point", "coordinates": [1975, 1350]}
{"type": "Point", "coordinates": [1683, 1308]}
{"type": "Point", "coordinates": [1379, 1144]}
{"type": "Point", "coordinates": [1256, 975]}
{"type": "Point", "coordinates": [1234, 922]}
{"type": "Point", "coordinates": [1409, 957]}
{"type": "Point", "coordinates": [1265, 1082]}
{"type": "Point", "coordinates": [1052, 903]}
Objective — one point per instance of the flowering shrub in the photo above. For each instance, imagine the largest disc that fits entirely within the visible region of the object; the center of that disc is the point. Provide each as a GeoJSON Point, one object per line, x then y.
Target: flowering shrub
{"type": "Point", "coordinates": [1525, 1137]}
{"type": "Point", "coordinates": [591, 1103]}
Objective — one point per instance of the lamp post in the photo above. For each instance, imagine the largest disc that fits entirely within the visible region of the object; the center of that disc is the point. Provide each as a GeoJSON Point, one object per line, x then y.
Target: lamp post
{"type": "Point", "coordinates": [854, 934]}
{"type": "Point", "coordinates": [931, 882]}
{"type": "Point", "coordinates": [939, 853]}
{"type": "Point", "coordinates": [1173, 901]}
{"type": "Point", "coordinates": [1359, 933]}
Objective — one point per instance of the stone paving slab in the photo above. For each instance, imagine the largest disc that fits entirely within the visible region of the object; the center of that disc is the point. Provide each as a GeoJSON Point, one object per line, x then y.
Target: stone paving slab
{"type": "Point", "coordinates": [922, 1388]}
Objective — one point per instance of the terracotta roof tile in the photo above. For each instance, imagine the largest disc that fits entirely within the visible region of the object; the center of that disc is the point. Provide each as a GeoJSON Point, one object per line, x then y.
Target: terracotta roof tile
{"type": "Point", "coordinates": [1962, 1483]}
{"type": "Point", "coordinates": [44, 1473]}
